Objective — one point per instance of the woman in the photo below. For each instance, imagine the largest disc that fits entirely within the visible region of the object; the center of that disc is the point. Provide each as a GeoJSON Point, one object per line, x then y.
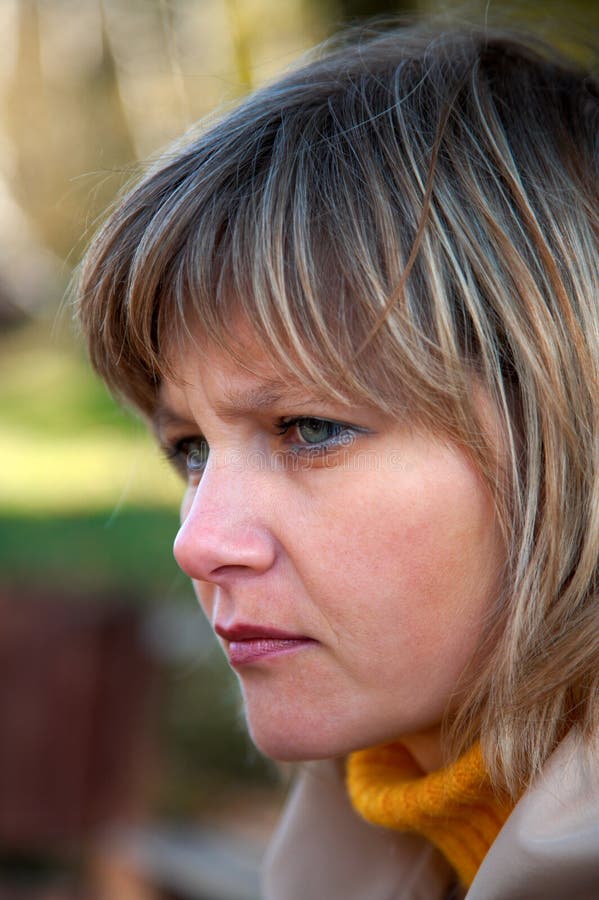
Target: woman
{"type": "Point", "coordinates": [360, 313]}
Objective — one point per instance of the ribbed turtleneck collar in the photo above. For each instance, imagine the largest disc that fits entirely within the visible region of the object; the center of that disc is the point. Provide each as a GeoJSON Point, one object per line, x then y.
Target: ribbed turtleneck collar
{"type": "Point", "coordinates": [455, 808]}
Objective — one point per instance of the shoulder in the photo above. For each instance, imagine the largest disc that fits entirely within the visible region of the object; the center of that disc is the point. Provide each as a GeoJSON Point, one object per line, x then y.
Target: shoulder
{"type": "Point", "coordinates": [549, 847]}
{"type": "Point", "coordinates": [322, 848]}
{"type": "Point", "coordinates": [547, 850]}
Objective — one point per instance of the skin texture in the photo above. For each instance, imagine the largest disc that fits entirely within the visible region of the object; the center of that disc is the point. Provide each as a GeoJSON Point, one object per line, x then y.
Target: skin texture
{"type": "Point", "coordinates": [382, 549]}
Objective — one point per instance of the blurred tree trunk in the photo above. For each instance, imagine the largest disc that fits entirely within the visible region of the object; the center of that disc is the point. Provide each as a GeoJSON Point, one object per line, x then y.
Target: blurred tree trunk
{"type": "Point", "coordinates": [241, 39]}
{"type": "Point", "coordinates": [352, 10]}
{"type": "Point", "coordinates": [28, 114]}
{"type": "Point", "coordinates": [336, 13]}
{"type": "Point", "coordinates": [62, 134]}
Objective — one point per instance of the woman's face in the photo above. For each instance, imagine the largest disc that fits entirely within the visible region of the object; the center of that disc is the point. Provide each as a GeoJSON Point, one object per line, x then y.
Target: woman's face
{"type": "Point", "coordinates": [347, 562]}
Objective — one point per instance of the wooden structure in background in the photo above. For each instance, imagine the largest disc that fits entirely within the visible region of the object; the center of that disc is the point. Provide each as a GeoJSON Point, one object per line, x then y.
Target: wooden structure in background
{"type": "Point", "coordinates": [75, 686]}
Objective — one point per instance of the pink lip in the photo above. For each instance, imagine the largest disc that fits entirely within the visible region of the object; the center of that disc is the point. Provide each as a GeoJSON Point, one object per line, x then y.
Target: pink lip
{"type": "Point", "coordinates": [251, 643]}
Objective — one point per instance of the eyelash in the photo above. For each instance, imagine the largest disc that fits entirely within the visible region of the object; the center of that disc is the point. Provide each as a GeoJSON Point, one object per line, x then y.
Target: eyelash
{"type": "Point", "coordinates": [178, 453]}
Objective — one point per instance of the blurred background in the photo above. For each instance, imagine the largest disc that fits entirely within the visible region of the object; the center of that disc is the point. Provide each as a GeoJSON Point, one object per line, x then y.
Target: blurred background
{"type": "Point", "coordinates": [125, 770]}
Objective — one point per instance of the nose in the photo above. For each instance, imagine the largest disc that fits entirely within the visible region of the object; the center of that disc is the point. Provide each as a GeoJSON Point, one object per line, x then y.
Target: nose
{"type": "Point", "coordinates": [221, 535]}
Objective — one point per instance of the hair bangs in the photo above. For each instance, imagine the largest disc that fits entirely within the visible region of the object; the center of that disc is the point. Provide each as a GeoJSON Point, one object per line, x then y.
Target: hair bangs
{"type": "Point", "coordinates": [293, 237]}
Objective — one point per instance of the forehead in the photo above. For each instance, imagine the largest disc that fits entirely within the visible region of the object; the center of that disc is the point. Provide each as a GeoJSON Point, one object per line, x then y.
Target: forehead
{"type": "Point", "coordinates": [222, 361]}
{"type": "Point", "coordinates": [236, 379]}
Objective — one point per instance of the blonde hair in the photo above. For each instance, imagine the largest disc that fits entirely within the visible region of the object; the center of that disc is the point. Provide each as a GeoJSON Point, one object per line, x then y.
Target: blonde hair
{"type": "Point", "coordinates": [399, 216]}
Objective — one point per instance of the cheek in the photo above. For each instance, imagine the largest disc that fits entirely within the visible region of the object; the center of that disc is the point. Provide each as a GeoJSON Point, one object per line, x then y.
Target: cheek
{"type": "Point", "coordinates": [421, 552]}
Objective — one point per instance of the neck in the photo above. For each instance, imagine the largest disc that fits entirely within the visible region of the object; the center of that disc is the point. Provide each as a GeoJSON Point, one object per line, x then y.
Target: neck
{"type": "Point", "coordinates": [425, 748]}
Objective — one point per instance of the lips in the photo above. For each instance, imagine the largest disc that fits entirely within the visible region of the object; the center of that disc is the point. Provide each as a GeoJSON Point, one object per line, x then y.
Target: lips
{"type": "Point", "coordinates": [247, 644]}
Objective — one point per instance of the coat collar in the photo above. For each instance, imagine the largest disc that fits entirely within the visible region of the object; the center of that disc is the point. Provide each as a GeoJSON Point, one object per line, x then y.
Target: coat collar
{"type": "Point", "coordinates": [547, 850]}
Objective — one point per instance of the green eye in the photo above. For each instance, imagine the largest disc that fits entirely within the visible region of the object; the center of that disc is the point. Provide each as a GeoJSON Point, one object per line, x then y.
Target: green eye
{"type": "Point", "coordinates": [317, 431]}
{"type": "Point", "coordinates": [306, 435]}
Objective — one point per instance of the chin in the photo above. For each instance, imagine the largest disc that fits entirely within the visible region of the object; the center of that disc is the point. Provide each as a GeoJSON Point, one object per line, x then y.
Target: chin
{"type": "Point", "coordinates": [297, 742]}
{"type": "Point", "coordinates": [301, 738]}
{"type": "Point", "coordinates": [309, 739]}
{"type": "Point", "coordinates": [285, 747]}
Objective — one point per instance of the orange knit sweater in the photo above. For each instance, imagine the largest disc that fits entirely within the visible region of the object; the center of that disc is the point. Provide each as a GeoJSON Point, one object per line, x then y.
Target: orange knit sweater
{"type": "Point", "coordinates": [454, 808]}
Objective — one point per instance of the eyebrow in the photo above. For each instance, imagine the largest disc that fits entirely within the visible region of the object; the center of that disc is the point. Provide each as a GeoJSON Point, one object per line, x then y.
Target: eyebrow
{"type": "Point", "coordinates": [255, 399]}
{"type": "Point", "coordinates": [237, 404]}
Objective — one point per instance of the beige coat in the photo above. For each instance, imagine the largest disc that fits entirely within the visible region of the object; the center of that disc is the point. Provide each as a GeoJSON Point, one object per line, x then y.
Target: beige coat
{"type": "Point", "coordinates": [547, 850]}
